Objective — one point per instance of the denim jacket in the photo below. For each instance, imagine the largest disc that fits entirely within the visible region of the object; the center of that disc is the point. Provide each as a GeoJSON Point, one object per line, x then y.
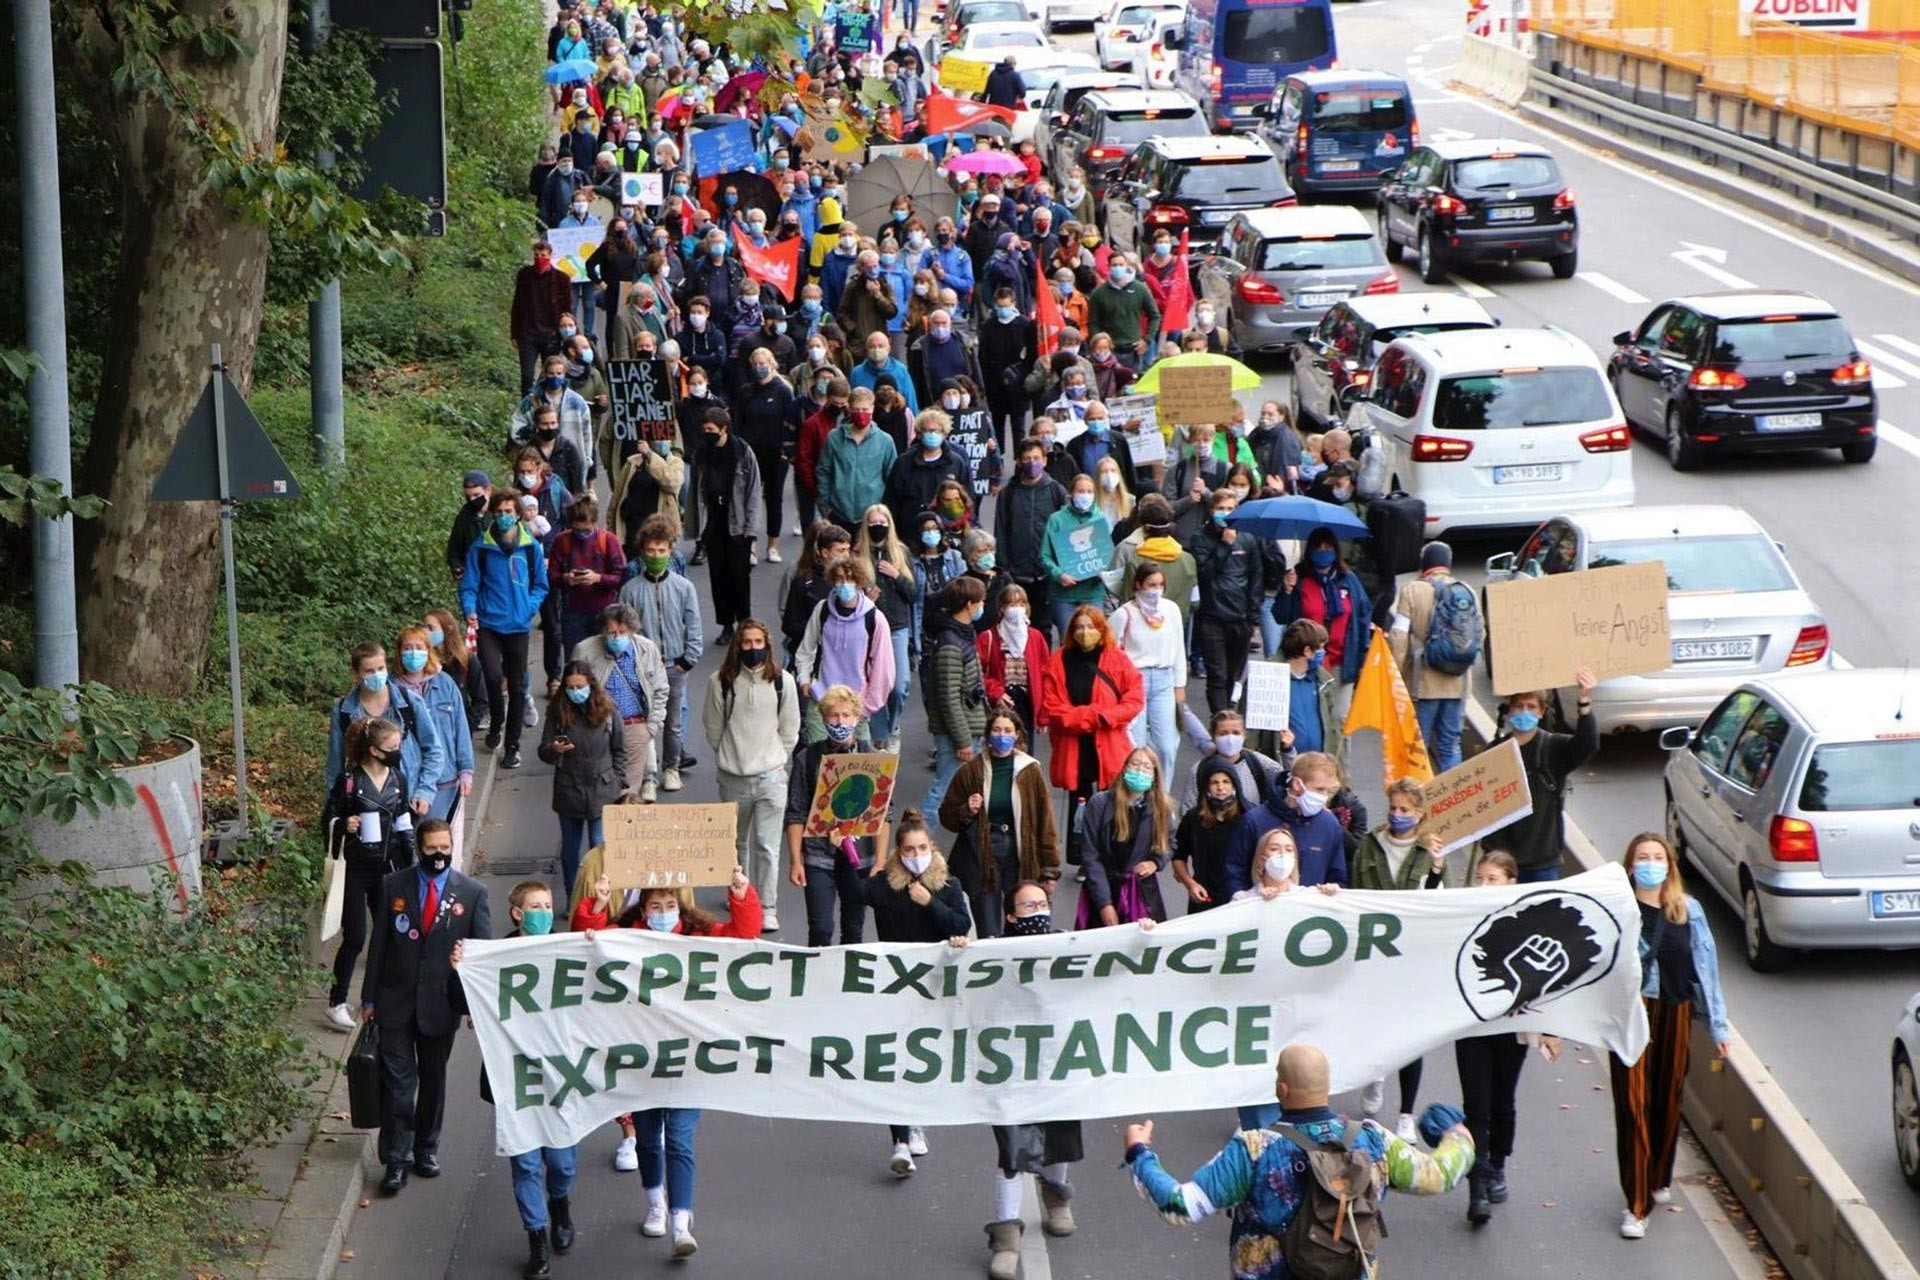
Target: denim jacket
{"type": "Point", "coordinates": [1707, 996]}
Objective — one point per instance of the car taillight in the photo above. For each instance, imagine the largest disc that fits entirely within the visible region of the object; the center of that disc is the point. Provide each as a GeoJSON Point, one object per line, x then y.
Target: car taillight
{"type": "Point", "coordinates": [1444, 203]}
{"type": "Point", "coordinates": [1105, 153]}
{"type": "Point", "coordinates": [1717, 380]}
{"type": "Point", "coordinates": [1853, 373]}
{"type": "Point", "coordinates": [1810, 647]}
{"type": "Point", "coordinates": [1214, 72]}
{"type": "Point", "coordinates": [1413, 131]}
{"type": "Point", "coordinates": [1165, 215]}
{"type": "Point", "coordinates": [1792, 840]}
{"type": "Point", "coordinates": [1300, 140]}
{"type": "Point", "coordinates": [1607, 440]}
{"type": "Point", "coordinates": [1564, 200]}
{"type": "Point", "coordinates": [1440, 449]}
{"type": "Point", "coordinates": [1361, 377]}
{"type": "Point", "coordinates": [1388, 283]}
{"type": "Point", "coordinates": [1254, 289]}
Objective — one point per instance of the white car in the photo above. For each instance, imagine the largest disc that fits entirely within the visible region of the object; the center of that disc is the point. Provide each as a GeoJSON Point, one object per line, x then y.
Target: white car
{"type": "Point", "coordinates": [992, 41]}
{"type": "Point", "coordinates": [1152, 63]}
{"type": "Point", "coordinates": [1906, 1092]}
{"type": "Point", "coordinates": [1060, 12]}
{"type": "Point", "coordinates": [1040, 77]}
{"type": "Point", "coordinates": [1498, 427]}
{"type": "Point", "coordinates": [1127, 24]}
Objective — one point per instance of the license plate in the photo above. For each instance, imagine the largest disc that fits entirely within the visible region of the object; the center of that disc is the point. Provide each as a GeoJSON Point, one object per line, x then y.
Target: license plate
{"type": "Point", "coordinates": [1715, 650]}
{"type": "Point", "coordinates": [1532, 473]}
{"type": "Point", "coordinates": [1339, 166]}
{"type": "Point", "coordinates": [1214, 217]}
{"type": "Point", "coordinates": [1317, 299]}
{"type": "Point", "coordinates": [1895, 902]}
{"type": "Point", "coordinates": [1510, 213]}
{"type": "Point", "coordinates": [1789, 421]}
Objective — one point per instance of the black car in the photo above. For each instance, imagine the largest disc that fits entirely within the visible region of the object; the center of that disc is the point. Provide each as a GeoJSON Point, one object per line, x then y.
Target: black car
{"type": "Point", "coordinates": [1480, 200]}
{"type": "Point", "coordinates": [1746, 372]}
{"type": "Point", "coordinates": [1107, 124]}
{"type": "Point", "coordinates": [1194, 185]}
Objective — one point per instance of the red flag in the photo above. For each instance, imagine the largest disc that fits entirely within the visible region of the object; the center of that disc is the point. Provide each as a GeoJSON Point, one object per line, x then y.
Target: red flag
{"type": "Point", "coordinates": [946, 113]}
{"type": "Point", "coordinates": [1046, 308]}
{"type": "Point", "coordinates": [778, 264]}
{"type": "Point", "coordinates": [1174, 313]}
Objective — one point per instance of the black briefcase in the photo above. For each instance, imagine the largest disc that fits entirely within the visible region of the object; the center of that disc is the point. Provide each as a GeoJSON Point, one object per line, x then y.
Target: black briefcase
{"type": "Point", "coordinates": [363, 1078]}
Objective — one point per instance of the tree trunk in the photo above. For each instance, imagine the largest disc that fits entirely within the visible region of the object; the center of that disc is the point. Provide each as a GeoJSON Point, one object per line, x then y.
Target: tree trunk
{"type": "Point", "coordinates": [193, 268]}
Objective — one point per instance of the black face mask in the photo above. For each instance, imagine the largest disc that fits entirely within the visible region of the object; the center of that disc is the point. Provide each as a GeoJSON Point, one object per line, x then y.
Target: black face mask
{"type": "Point", "coordinates": [1030, 926]}
{"type": "Point", "coordinates": [753, 657]}
{"type": "Point", "coordinates": [436, 860]}
{"type": "Point", "coordinates": [548, 434]}
{"type": "Point", "coordinates": [878, 533]}
{"type": "Point", "coordinates": [1218, 803]}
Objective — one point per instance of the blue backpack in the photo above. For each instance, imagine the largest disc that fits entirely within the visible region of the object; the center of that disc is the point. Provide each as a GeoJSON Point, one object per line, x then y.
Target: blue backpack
{"type": "Point", "coordinates": [1455, 636]}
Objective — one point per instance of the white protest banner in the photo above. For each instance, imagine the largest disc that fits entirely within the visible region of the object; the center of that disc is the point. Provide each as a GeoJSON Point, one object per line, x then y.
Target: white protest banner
{"type": "Point", "coordinates": [1269, 694]}
{"type": "Point", "coordinates": [1614, 620]}
{"type": "Point", "coordinates": [1102, 1022]}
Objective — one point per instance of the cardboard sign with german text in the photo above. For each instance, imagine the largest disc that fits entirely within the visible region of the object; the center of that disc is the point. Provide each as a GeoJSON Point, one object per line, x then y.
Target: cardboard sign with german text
{"type": "Point", "coordinates": [1477, 796]}
{"type": "Point", "coordinates": [669, 846]}
{"type": "Point", "coordinates": [1195, 394]}
{"type": "Point", "coordinates": [1614, 620]}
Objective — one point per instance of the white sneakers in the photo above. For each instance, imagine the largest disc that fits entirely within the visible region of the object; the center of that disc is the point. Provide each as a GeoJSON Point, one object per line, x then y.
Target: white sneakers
{"type": "Point", "coordinates": [341, 1016]}
{"type": "Point", "coordinates": [1663, 1195]}
{"type": "Point", "coordinates": [649, 792]}
{"type": "Point", "coordinates": [656, 1224]}
{"type": "Point", "coordinates": [1632, 1228]}
{"type": "Point", "coordinates": [1372, 1098]}
{"type": "Point", "coordinates": [684, 1245]}
{"type": "Point", "coordinates": [917, 1141]}
{"type": "Point", "coordinates": [901, 1165]}
{"type": "Point", "coordinates": [626, 1158]}
{"type": "Point", "coordinates": [531, 715]}
{"type": "Point", "coordinates": [1407, 1129]}
{"type": "Point", "coordinates": [670, 780]}
{"type": "Point", "coordinates": [773, 553]}
{"type": "Point", "coordinates": [770, 921]}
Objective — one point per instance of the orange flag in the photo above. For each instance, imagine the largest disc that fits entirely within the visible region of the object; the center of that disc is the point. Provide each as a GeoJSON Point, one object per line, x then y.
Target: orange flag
{"type": "Point", "coordinates": [945, 113]}
{"type": "Point", "coordinates": [778, 264]}
{"type": "Point", "coordinates": [1046, 308]}
{"type": "Point", "coordinates": [1381, 702]}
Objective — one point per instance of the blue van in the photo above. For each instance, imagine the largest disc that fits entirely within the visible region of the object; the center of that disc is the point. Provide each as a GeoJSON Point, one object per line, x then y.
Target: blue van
{"type": "Point", "coordinates": [1235, 53]}
{"type": "Point", "coordinates": [1341, 132]}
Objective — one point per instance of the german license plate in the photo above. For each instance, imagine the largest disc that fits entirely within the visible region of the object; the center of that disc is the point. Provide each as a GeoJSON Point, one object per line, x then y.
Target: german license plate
{"type": "Point", "coordinates": [1317, 299]}
{"type": "Point", "coordinates": [1895, 902]}
{"type": "Point", "coordinates": [1732, 648]}
{"type": "Point", "coordinates": [1789, 421]}
{"type": "Point", "coordinates": [1214, 217]}
{"type": "Point", "coordinates": [1339, 166]}
{"type": "Point", "coordinates": [1532, 473]}
{"type": "Point", "coordinates": [1510, 213]}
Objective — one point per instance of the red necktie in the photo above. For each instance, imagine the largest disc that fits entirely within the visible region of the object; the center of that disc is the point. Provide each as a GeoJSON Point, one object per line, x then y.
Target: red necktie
{"type": "Point", "coordinates": [432, 909]}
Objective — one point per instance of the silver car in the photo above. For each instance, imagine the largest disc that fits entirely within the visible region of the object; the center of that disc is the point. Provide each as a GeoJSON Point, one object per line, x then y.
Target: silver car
{"type": "Point", "coordinates": [1737, 609]}
{"type": "Point", "coordinates": [1798, 799]}
{"type": "Point", "coordinates": [1280, 269]}
{"type": "Point", "coordinates": [1906, 1092]}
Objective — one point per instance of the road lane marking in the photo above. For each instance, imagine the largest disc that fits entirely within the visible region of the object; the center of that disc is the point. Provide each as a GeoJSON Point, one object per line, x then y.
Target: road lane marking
{"type": "Point", "coordinates": [1898, 343]}
{"type": "Point", "coordinates": [1608, 285]}
{"type": "Point", "coordinates": [1034, 1262]}
{"type": "Point", "coordinates": [1899, 439]}
{"type": "Point", "coordinates": [1709, 262]}
{"type": "Point", "coordinates": [1884, 360]}
{"type": "Point", "coordinates": [1472, 289]}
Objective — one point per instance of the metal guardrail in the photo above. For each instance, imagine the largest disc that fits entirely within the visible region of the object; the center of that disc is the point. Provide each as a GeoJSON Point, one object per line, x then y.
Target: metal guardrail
{"type": "Point", "coordinates": [1722, 148]}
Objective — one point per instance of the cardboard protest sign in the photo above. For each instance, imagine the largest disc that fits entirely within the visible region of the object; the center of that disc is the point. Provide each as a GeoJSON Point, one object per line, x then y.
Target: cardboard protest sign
{"type": "Point", "coordinates": [1476, 796]}
{"type": "Point", "coordinates": [963, 75]}
{"type": "Point", "coordinates": [1195, 394]}
{"type": "Point", "coordinates": [640, 393]}
{"type": "Point", "coordinates": [973, 438]}
{"type": "Point", "coordinates": [1614, 620]}
{"type": "Point", "coordinates": [1082, 550]}
{"type": "Point", "coordinates": [1269, 694]}
{"type": "Point", "coordinates": [668, 846]}
{"type": "Point", "coordinates": [852, 795]}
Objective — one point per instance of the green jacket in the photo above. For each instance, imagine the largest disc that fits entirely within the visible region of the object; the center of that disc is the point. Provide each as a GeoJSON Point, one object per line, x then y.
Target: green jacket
{"type": "Point", "coordinates": [1088, 590]}
{"type": "Point", "coordinates": [1367, 868]}
{"type": "Point", "coordinates": [1125, 315]}
{"type": "Point", "coordinates": [955, 692]}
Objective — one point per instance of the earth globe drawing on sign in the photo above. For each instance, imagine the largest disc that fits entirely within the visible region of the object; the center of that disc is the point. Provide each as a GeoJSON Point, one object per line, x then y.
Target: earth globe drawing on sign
{"type": "Point", "coordinates": [852, 796]}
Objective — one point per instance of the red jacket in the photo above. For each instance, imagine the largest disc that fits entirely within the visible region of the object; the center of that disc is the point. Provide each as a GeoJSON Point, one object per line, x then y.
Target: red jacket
{"type": "Point", "coordinates": [538, 299]}
{"type": "Point", "coordinates": [600, 553]}
{"type": "Point", "coordinates": [742, 922]}
{"type": "Point", "coordinates": [814, 431]}
{"type": "Point", "coordinates": [993, 668]}
{"type": "Point", "coordinates": [1118, 699]}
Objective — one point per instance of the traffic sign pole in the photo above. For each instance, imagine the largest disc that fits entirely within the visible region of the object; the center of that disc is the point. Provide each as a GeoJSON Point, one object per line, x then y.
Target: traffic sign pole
{"type": "Point", "coordinates": [228, 506]}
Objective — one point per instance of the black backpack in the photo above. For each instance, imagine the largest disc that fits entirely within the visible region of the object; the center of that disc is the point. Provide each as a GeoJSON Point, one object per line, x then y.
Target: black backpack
{"type": "Point", "coordinates": [1336, 1230]}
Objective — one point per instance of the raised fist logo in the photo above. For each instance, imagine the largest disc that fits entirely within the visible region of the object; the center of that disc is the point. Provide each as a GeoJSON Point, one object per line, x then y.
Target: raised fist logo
{"type": "Point", "coordinates": [1539, 947]}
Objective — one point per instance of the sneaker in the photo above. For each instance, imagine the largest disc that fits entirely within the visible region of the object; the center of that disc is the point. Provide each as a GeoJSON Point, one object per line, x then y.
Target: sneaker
{"type": "Point", "coordinates": [1372, 1098]}
{"type": "Point", "coordinates": [770, 921]}
{"type": "Point", "coordinates": [649, 791]}
{"type": "Point", "coordinates": [670, 781]}
{"type": "Point", "coordinates": [1632, 1228]}
{"type": "Point", "coordinates": [699, 557]}
{"type": "Point", "coordinates": [753, 558]}
{"type": "Point", "coordinates": [656, 1224]}
{"type": "Point", "coordinates": [684, 1245]}
{"type": "Point", "coordinates": [1663, 1195]}
{"type": "Point", "coordinates": [341, 1016]}
{"type": "Point", "coordinates": [1407, 1130]}
{"type": "Point", "coordinates": [798, 532]}
{"type": "Point", "coordinates": [1497, 1187]}
{"type": "Point", "coordinates": [530, 716]}
{"type": "Point", "coordinates": [626, 1158]}
{"type": "Point", "coordinates": [773, 553]}
{"type": "Point", "coordinates": [917, 1141]}
{"type": "Point", "coordinates": [724, 639]}
{"type": "Point", "coordinates": [901, 1166]}
{"type": "Point", "coordinates": [493, 738]}
{"type": "Point", "coordinates": [512, 759]}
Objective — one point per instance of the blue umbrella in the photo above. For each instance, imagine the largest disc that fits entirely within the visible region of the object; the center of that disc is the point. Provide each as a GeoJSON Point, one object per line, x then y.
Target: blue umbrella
{"type": "Point", "coordinates": [568, 72]}
{"type": "Point", "coordinates": [1296, 516]}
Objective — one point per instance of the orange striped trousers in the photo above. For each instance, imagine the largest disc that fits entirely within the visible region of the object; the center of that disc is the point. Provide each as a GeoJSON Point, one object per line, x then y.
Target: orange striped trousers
{"type": "Point", "coordinates": [1646, 1104]}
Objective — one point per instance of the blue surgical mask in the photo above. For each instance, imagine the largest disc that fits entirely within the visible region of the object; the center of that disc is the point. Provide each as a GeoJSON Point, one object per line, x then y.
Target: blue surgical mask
{"type": "Point", "coordinates": [1401, 823]}
{"type": "Point", "coordinates": [840, 732]}
{"type": "Point", "coordinates": [536, 921]}
{"type": "Point", "coordinates": [1121, 277]}
{"type": "Point", "coordinates": [810, 305]}
{"type": "Point", "coordinates": [1649, 875]}
{"type": "Point", "coordinates": [1321, 557]}
{"type": "Point", "coordinates": [619, 644]}
{"type": "Point", "coordinates": [1523, 721]}
{"type": "Point", "coordinates": [1097, 427]}
{"type": "Point", "coordinates": [1005, 314]}
{"type": "Point", "coordinates": [888, 259]}
{"type": "Point", "coordinates": [929, 538]}
{"type": "Point", "coordinates": [985, 563]}
{"type": "Point", "coordinates": [1317, 661]}
{"type": "Point", "coordinates": [505, 520]}
{"type": "Point", "coordinates": [374, 683]}
{"type": "Point", "coordinates": [1137, 780]}
{"type": "Point", "coordinates": [664, 921]}
{"type": "Point", "coordinates": [578, 694]}
{"type": "Point", "coordinates": [1083, 502]}
{"type": "Point", "coordinates": [436, 637]}
{"type": "Point", "coordinates": [845, 592]}
{"type": "Point", "coordinates": [1001, 744]}
{"type": "Point", "coordinates": [1220, 518]}
{"type": "Point", "coordinates": [413, 661]}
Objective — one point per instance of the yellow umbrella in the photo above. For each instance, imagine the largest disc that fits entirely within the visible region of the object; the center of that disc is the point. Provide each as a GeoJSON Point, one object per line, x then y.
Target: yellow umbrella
{"type": "Point", "coordinates": [1244, 379]}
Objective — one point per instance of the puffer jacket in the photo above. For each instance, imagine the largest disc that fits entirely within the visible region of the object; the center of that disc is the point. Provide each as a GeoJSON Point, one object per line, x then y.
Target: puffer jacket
{"type": "Point", "coordinates": [955, 690]}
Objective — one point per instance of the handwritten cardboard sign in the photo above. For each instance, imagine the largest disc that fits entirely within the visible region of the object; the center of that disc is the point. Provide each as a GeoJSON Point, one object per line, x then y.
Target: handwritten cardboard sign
{"type": "Point", "coordinates": [1269, 694]}
{"type": "Point", "coordinates": [852, 794]}
{"type": "Point", "coordinates": [669, 846]}
{"type": "Point", "coordinates": [1476, 796]}
{"type": "Point", "coordinates": [1195, 394]}
{"type": "Point", "coordinates": [1614, 620]}
{"type": "Point", "coordinates": [639, 393]}
{"type": "Point", "coordinates": [1134, 417]}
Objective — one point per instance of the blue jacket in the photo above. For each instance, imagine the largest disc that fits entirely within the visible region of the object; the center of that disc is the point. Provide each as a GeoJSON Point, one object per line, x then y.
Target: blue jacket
{"type": "Point", "coordinates": [802, 203]}
{"type": "Point", "coordinates": [423, 754]}
{"type": "Point", "coordinates": [448, 706]}
{"type": "Point", "coordinates": [956, 268]}
{"type": "Point", "coordinates": [901, 279]}
{"type": "Point", "coordinates": [1708, 998]}
{"type": "Point", "coordinates": [1321, 840]}
{"type": "Point", "coordinates": [865, 375]}
{"type": "Point", "coordinates": [834, 270]}
{"type": "Point", "coordinates": [504, 589]}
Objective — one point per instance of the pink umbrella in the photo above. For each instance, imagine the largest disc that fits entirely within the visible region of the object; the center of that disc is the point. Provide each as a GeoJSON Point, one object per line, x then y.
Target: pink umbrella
{"type": "Point", "coordinates": [984, 161]}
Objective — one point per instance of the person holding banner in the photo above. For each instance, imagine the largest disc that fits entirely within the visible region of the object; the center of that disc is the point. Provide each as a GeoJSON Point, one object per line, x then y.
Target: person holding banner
{"type": "Point", "coordinates": [999, 809]}
{"type": "Point", "coordinates": [1303, 809]}
{"type": "Point", "coordinates": [1204, 835]}
{"type": "Point", "coordinates": [830, 871]}
{"type": "Point", "coordinates": [1128, 830]}
{"type": "Point", "coordinates": [1536, 838]}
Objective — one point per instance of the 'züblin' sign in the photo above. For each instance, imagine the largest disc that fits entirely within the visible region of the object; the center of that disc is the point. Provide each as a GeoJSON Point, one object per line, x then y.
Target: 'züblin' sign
{"type": "Point", "coordinates": [1828, 15]}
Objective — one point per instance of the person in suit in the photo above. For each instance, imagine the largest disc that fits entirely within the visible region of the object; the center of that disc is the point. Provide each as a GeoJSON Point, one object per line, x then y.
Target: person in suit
{"type": "Point", "coordinates": [411, 995]}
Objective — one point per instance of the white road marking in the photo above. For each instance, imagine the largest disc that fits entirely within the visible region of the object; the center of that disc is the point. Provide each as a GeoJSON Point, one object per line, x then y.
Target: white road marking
{"type": "Point", "coordinates": [1884, 360]}
{"type": "Point", "coordinates": [1608, 285]}
{"type": "Point", "coordinates": [1899, 439]}
{"type": "Point", "coordinates": [1472, 289]}
{"type": "Point", "coordinates": [1034, 1263]}
{"type": "Point", "coordinates": [1708, 261]}
{"type": "Point", "coordinates": [1898, 343]}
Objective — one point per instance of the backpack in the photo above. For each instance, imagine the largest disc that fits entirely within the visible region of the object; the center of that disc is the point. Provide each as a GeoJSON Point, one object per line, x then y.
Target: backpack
{"type": "Point", "coordinates": [1336, 1230]}
{"type": "Point", "coordinates": [1454, 635]}
{"type": "Point", "coordinates": [819, 653]}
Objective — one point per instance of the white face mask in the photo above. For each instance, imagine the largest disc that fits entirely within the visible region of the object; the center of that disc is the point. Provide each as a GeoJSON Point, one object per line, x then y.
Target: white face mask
{"type": "Point", "coordinates": [1279, 867]}
{"type": "Point", "coordinates": [916, 863]}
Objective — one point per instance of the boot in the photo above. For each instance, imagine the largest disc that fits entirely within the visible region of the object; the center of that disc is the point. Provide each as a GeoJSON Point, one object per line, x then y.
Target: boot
{"type": "Point", "coordinates": [1058, 1220]}
{"type": "Point", "coordinates": [1003, 1241]}
{"type": "Point", "coordinates": [1479, 1207]}
{"type": "Point", "coordinates": [539, 1260]}
{"type": "Point", "coordinates": [560, 1220]}
{"type": "Point", "coordinates": [1497, 1185]}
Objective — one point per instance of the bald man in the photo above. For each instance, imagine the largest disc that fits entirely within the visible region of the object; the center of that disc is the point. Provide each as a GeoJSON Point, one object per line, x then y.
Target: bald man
{"type": "Point", "coordinates": [1254, 1173]}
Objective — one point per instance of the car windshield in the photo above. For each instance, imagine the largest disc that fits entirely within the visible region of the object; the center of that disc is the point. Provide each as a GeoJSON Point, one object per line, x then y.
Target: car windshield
{"type": "Point", "coordinates": [1227, 178]}
{"type": "Point", "coordinates": [1520, 398]}
{"type": "Point", "coordinates": [995, 11]}
{"type": "Point", "coordinates": [1505, 173]}
{"type": "Point", "coordinates": [977, 39]}
{"type": "Point", "coordinates": [1863, 775]}
{"type": "Point", "coordinates": [1382, 337]}
{"type": "Point", "coordinates": [1737, 563]}
{"type": "Point", "coordinates": [1310, 255]}
{"type": "Point", "coordinates": [1040, 79]}
{"type": "Point", "coordinates": [1350, 111]}
{"type": "Point", "coordinates": [1275, 33]}
{"type": "Point", "coordinates": [1168, 122]}
{"type": "Point", "coordinates": [1137, 16]}
{"type": "Point", "coordinates": [1739, 341]}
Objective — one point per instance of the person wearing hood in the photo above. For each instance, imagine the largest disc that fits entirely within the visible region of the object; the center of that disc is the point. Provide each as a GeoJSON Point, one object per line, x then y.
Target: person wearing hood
{"type": "Point", "coordinates": [952, 684]}
{"type": "Point", "coordinates": [1005, 87]}
{"type": "Point", "coordinates": [1000, 811]}
{"type": "Point", "coordinates": [1303, 810]}
{"type": "Point", "coordinates": [1206, 833]}
{"type": "Point", "coordinates": [846, 642]}
{"type": "Point", "coordinates": [1007, 268]}
{"type": "Point", "coordinates": [917, 476]}
{"type": "Point", "coordinates": [1224, 739]}
{"type": "Point", "coordinates": [832, 873]}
